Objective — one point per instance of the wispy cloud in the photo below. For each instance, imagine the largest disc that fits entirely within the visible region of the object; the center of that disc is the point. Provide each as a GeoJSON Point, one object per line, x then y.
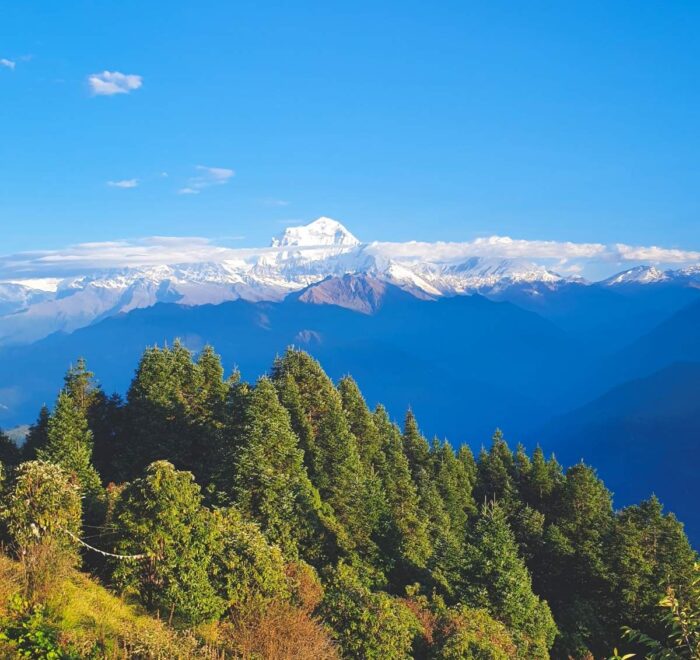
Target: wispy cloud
{"type": "Point", "coordinates": [8, 64]}
{"type": "Point", "coordinates": [109, 83]}
{"type": "Point", "coordinates": [123, 183]}
{"type": "Point", "coordinates": [207, 177]}
{"type": "Point", "coordinates": [275, 202]}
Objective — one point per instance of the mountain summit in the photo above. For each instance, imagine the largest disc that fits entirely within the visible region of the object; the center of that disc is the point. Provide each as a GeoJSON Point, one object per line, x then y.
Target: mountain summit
{"type": "Point", "coordinates": [321, 232]}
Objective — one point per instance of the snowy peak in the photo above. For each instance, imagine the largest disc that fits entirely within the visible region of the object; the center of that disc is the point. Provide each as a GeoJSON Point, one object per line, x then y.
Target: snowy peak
{"type": "Point", "coordinates": [637, 275]}
{"type": "Point", "coordinates": [322, 232]}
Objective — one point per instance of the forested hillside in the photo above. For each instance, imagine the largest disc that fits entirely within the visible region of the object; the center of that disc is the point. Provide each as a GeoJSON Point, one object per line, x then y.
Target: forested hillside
{"type": "Point", "coordinates": [285, 519]}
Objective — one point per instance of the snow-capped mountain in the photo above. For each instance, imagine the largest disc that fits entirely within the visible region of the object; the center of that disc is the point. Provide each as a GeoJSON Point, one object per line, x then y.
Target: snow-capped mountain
{"type": "Point", "coordinates": [300, 257]}
{"type": "Point", "coordinates": [689, 276]}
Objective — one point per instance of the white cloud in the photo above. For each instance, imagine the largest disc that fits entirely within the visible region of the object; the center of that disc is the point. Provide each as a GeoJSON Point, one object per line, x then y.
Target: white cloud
{"type": "Point", "coordinates": [123, 183]}
{"type": "Point", "coordinates": [207, 177]}
{"type": "Point", "coordinates": [561, 256]}
{"type": "Point", "coordinates": [275, 202]}
{"type": "Point", "coordinates": [109, 83]}
{"type": "Point", "coordinates": [656, 255]}
{"type": "Point", "coordinates": [8, 64]}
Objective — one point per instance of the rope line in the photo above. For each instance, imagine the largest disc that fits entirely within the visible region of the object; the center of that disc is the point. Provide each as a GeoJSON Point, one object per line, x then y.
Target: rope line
{"type": "Point", "coordinates": [104, 552]}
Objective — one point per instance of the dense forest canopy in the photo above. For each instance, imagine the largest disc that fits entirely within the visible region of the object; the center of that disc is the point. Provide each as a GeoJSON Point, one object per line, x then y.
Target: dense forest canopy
{"type": "Point", "coordinates": [287, 512]}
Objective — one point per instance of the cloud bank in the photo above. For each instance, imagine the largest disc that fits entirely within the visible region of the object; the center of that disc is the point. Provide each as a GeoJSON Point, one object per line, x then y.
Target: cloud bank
{"type": "Point", "coordinates": [562, 256]}
{"type": "Point", "coordinates": [109, 83]}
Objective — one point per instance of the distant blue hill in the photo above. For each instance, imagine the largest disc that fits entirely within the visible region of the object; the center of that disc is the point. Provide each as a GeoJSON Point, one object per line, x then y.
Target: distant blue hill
{"type": "Point", "coordinates": [643, 437]}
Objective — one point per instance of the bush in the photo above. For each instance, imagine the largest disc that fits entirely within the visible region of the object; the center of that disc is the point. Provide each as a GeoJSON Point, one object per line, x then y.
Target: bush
{"type": "Point", "coordinates": [247, 571]}
{"type": "Point", "coordinates": [470, 634]}
{"type": "Point", "coordinates": [41, 510]}
{"type": "Point", "coordinates": [280, 632]}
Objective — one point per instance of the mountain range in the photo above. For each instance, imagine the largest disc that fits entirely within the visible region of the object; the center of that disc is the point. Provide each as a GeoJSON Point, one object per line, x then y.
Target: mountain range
{"type": "Point", "coordinates": [606, 371]}
{"type": "Point", "coordinates": [31, 309]}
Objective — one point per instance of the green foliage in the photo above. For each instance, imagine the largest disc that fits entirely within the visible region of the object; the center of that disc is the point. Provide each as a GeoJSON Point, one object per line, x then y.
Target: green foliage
{"type": "Point", "coordinates": [42, 504]}
{"type": "Point", "coordinates": [176, 408]}
{"type": "Point", "coordinates": [69, 444]}
{"type": "Point", "coordinates": [464, 633]}
{"type": "Point", "coordinates": [269, 482]}
{"type": "Point", "coordinates": [681, 619]}
{"type": "Point", "coordinates": [337, 471]}
{"type": "Point", "coordinates": [161, 515]}
{"type": "Point", "coordinates": [246, 570]}
{"type": "Point", "coordinates": [367, 625]}
{"type": "Point", "coordinates": [649, 553]}
{"type": "Point", "coordinates": [251, 492]}
{"type": "Point", "coordinates": [406, 540]}
{"type": "Point", "coordinates": [41, 511]}
{"type": "Point", "coordinates": [497, 580]}
{"type": "Point", "coordinates": [31, 633]}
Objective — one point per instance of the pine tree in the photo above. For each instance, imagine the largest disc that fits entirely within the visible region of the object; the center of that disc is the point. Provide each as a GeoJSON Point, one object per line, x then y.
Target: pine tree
{"type": "Point", "coordinates": [416, 448]}
{"type": "Point", "coordinates": [466, 458]}
{"type": "Point", "coordinates": [444, 538]}
{"type": "Point", "coordinates": [649, 553]}
{"type": "Point", "coordinates": [495, 473]}
{"type": "Point", "coordinates": [10, 454]}
{"type": "Point", "coordinates": [37, 436]}
{"type": "Point", "coordinates": [573, 574]}
{"type": "Point", "coordinates": [176, 409]}
{"type": "Point", "coordinates": [69, 444]}
{"type": "Point", "coordinates": [361, 422]}
{"type": "Point", "coordinates": [270, 484]}
{"type": "Point", "coordinates": [407, 538]}
{"type": "Point", "coordinates": [339, 474]}
{"type": "Point", "coordinates": [455, 487]}
{"type": "Point", "coordinates": [497, 579]}
{"type": "Point", "coordinates": [79, 385]}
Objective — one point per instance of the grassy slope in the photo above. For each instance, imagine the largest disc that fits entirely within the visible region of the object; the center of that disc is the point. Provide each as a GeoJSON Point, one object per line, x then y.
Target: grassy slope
{"type": "Point", "coordinates": [87, 614]}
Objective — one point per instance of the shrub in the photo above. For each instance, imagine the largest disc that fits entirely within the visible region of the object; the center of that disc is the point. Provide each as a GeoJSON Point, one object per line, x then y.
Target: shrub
{"type": "Point", "coordinates": [42, 509]}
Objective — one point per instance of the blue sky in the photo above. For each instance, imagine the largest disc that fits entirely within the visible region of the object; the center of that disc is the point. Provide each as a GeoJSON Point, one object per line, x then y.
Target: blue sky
{"type": "Point", "coordinates": [573, 121]}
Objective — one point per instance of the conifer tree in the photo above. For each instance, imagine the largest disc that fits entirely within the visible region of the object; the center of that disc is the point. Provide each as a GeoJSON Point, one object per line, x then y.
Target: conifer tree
{"type": "Point", "coordinates": [416, 448]}
{"type": "Point", "coordinates": [649, 553]}
{"type": "Point", "coordinates": [407, 539]}
{"type": "Point", "coordinates": [497, 579]}
{"type": "Point", "coordinates": [454, 486]}
{"type": "Point", "coordinates": [69, 445]}
{"type": "Point", "coordinates": [37, 436]}
{"type": "Point", "coordinates": [338, 472]}
{"type": "Point", "coordinates": [495, 474]}
{"type": "Point", "coordinates": [161, 515]}
{"type": "Point", "coordinates": [540, 482]}
{"type": "Point", "coordinates": [361, 422]}
{"type": "Point", "coordinates": [573, 573]}
{"type": "Point", "coordinates": [79, 385]}
{"type": "Point", "coordinates": [169, 412]}
{"type": "Point", "coordinates": [10, 454]}
{"type": "Point", "coordinates": [290, 397]}
{"type": "Point", "coordinates": [106, 422]}
{"type": "Point", "coordinates": [269, 483]}
{"type": "Point", "coordinates": [466, 458]}
{"type": "Point", "coordinates": [444, 539]}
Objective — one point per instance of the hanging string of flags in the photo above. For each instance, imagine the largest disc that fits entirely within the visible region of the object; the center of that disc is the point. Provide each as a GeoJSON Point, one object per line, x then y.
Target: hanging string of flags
{"type": "Point", "coordinates": [104, 553]}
